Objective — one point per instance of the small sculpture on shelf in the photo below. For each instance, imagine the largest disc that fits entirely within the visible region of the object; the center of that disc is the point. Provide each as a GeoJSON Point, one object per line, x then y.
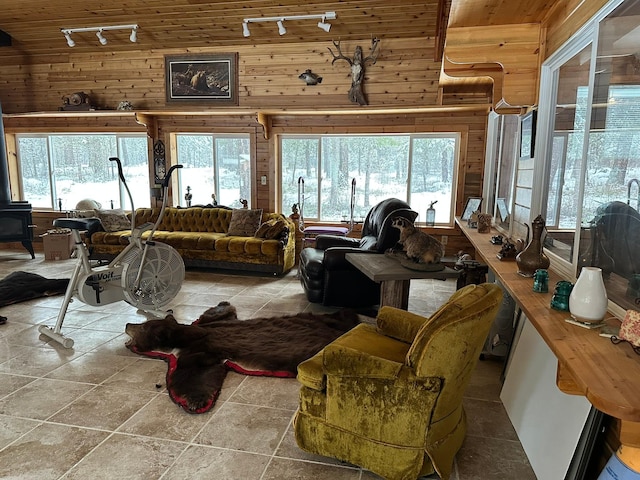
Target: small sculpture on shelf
{"type": "Point", "coordinates": [484, 223]}
{"type": "Point", "coordinates": [560, 299]}
{"type": "Point", "coordinates": [532, 257]}
{"type": "Point", "coordinates": [508, 251]}
{"type": "Point", "coordinates": [472, 222]}
{"type": "Point", "coordinates": [541, 281]}
{"type": "Point", "coordinates": [125, 105]}
{"type": "Point", "coordinates": [78, 101]}
{"type": "Point", "coordinates": [188, 196]}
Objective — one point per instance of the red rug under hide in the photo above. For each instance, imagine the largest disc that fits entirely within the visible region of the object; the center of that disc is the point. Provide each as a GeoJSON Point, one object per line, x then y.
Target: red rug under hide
{"type": "Point", "coordinates": [172, 362]}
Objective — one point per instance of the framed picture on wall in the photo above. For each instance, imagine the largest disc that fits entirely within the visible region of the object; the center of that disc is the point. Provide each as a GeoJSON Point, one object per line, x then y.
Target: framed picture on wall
{"type": "Point", "coordinates": [528, 134]}
{"type": "Point", "coordinates": [472, 205]}
{"type": "Point", "coordinates": [202, 78]}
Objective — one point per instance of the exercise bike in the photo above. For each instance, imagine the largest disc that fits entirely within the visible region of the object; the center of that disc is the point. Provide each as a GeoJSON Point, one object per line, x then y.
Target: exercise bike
{"type": "Point", "coordinates": [146, 274]}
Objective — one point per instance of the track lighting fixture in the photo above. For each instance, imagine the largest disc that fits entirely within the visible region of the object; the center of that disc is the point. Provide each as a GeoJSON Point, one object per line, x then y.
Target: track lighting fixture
{"type": "Point", "coordinates": [280, 21]}
{"type": "Point", "coordinates": [70, 41]}
{"type": "Point", "coordinates": [101, 38]}
{"type": "Point", "coordinates": [99, 33]}
{"type": "Point", "coordinates": [281, 29]}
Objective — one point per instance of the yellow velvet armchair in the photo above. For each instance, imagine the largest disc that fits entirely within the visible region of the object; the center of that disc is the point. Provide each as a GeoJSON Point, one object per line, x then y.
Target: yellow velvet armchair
{"type": "Point", "coordinates": [389, 397]}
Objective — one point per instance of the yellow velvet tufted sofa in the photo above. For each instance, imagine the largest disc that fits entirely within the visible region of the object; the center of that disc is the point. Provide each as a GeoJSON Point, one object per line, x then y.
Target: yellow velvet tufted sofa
{"type": "Point", "coordinates": [199, 234]}
{"type": "Point", "coordinates": [389, 397]}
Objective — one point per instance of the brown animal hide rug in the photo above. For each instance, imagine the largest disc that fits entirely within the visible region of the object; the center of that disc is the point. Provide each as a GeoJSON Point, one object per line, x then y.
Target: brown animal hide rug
{"type": "Point", "coordinates": [200, 355]}
{"type": "Point", "coordinates": [21, 286]}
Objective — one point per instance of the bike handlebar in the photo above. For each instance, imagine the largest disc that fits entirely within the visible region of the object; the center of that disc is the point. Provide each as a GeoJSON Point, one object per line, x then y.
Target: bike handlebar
{"type": "Point", "coordinates": [167, 177]}
{"type": "Point", "coordinates": [120, 173]}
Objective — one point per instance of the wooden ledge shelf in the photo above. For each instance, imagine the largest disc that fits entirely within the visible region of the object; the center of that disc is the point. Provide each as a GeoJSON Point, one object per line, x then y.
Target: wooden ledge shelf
{"type": "Point", "coordinates": [607, 375]}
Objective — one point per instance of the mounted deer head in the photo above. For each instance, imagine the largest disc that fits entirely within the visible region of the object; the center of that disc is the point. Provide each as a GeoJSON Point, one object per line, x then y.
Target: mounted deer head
{"type": "Point", "coordinates": [356, 94]}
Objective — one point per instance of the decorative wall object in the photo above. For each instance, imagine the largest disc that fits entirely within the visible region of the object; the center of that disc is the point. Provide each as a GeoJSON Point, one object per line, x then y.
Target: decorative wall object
{"type": "Point", "coordinates": [310, 78]}
{"type": "Point", "coordinates": [358, 63]}
{"type": "Point", "coordinates": [159, 162]}
{"type": "Point", "coordinates": [202, 77]}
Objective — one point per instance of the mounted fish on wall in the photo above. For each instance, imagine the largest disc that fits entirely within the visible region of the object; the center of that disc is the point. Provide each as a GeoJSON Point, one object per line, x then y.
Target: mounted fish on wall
{"type": "Point", "coordinates": [310, 78]}
{"type": "Point", "coordinates": [358, 63]}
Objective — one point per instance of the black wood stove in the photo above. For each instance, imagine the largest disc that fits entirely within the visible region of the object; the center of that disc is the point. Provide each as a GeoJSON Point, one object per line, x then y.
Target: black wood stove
{"type": "Point", "coordinates": [15, 217]}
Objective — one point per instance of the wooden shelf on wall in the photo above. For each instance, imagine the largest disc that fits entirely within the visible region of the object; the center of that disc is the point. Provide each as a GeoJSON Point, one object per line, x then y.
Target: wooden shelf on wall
{"type": "Point", "coordinates": [607, 375]}
{"type": "Point", "coordinates": [147, 118]}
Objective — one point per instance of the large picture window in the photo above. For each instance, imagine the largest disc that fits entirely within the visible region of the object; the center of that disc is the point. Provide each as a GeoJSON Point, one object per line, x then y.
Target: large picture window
{"type": "Point", "coordinates": [217, 165]}
{"type": "Point", "coordinates": [417, 168]}
{"type": "Point", "coordinates": [592, 151]}
{"type": "Point", "coordinates": [58, 171]}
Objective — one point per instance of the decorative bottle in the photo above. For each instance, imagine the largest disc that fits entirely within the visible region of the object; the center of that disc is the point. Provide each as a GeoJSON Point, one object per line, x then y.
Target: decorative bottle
{"type": "Point", "coordinates": [588, 299]}
{"type": "Point", "coordinates": [431, 215]}
{"type": "Point", "coordinates": [532, 258]}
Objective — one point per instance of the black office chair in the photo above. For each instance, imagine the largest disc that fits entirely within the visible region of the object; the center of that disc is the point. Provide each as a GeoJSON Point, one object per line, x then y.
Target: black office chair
{"type": "Point", "coordinates": [328, 278]}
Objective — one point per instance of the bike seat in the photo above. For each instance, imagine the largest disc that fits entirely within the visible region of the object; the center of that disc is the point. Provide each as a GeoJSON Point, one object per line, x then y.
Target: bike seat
{"type": "Point", "coordinates": [76, 223]}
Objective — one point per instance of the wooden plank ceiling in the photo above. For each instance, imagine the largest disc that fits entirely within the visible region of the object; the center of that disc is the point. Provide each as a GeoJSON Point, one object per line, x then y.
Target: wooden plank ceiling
{"type": "Point", "coordinates": [34, 25]}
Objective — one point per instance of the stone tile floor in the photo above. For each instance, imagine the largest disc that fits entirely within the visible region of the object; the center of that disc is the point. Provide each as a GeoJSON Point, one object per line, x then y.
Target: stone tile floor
{"type": "Point", "coordinates": [94, 411]}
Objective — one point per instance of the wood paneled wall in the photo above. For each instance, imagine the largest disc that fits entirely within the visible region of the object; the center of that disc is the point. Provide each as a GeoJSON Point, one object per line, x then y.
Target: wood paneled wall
{"type": "Point", "coordinates": [404, 75]}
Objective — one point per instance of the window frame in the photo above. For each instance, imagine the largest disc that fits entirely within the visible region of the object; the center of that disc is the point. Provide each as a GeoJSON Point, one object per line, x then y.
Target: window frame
{"type": "Point", "coordinates": [586, 36]}
{"type": "Point", "coordinates": [457, 136]}
{"type": "Point", "coordinates": [122, 196]}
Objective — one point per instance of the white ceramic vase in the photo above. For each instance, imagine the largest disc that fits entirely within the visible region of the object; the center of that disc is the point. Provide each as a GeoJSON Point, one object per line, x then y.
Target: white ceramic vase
{"type": "Point", "coordinates": [588, 299]}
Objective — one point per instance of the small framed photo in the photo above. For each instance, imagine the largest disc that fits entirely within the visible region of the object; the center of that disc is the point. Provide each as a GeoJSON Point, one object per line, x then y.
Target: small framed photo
{"type": "Point", "coordinates": [528, 135]}
{"type": "Point", "coordinates": [472, 205]}
{"type": "Point", "coordinates": [202, 78]}
{"type": "Point", "coordinates": [503, 211]}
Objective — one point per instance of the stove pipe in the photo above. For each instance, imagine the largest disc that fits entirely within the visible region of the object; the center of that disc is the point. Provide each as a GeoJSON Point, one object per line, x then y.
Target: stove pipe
{"type": "Point", "coordinates": [5, 190]}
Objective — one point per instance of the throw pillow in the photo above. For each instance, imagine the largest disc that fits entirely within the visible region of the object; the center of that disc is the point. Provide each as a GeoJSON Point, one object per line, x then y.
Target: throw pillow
{"type": "Point", "coordinates": [84, 213]}
{"type": "Point", "coordinates": [271, 229]}
{"type": "Point", "coordinates": [113, 220]}
{"type": "Point", "coordinates": [244, 222]}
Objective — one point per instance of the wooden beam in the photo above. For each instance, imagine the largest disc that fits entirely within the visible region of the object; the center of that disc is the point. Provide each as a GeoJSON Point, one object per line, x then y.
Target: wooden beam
{"type": "Point", "coordinates": [507, 54]}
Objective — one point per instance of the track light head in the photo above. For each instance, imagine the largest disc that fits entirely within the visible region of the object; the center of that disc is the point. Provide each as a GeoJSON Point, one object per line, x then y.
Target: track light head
{"type": "Point", "coordinates": [70, 41]}
{"type": "Point", "coordinates": [245, 29]}
{"type": "Point", "coordinates": [103, 40]}
{"type": "Point", "coordinates": [134, 35]}
{"type": "Point", "coordinates": [281, 29]}
{"type": "Point", "coordinates": [324, 26]}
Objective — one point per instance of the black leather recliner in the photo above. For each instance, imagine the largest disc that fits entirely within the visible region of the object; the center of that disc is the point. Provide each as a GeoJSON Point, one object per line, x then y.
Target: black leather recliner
{"type": "Point", "coordinates": [326, 275]}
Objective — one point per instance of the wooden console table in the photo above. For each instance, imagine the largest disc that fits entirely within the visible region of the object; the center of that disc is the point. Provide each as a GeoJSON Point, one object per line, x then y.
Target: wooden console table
{"type": "Point", "coordinates": [394, 279]}
{"type": "Point", "coordinates": [607, 375]}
